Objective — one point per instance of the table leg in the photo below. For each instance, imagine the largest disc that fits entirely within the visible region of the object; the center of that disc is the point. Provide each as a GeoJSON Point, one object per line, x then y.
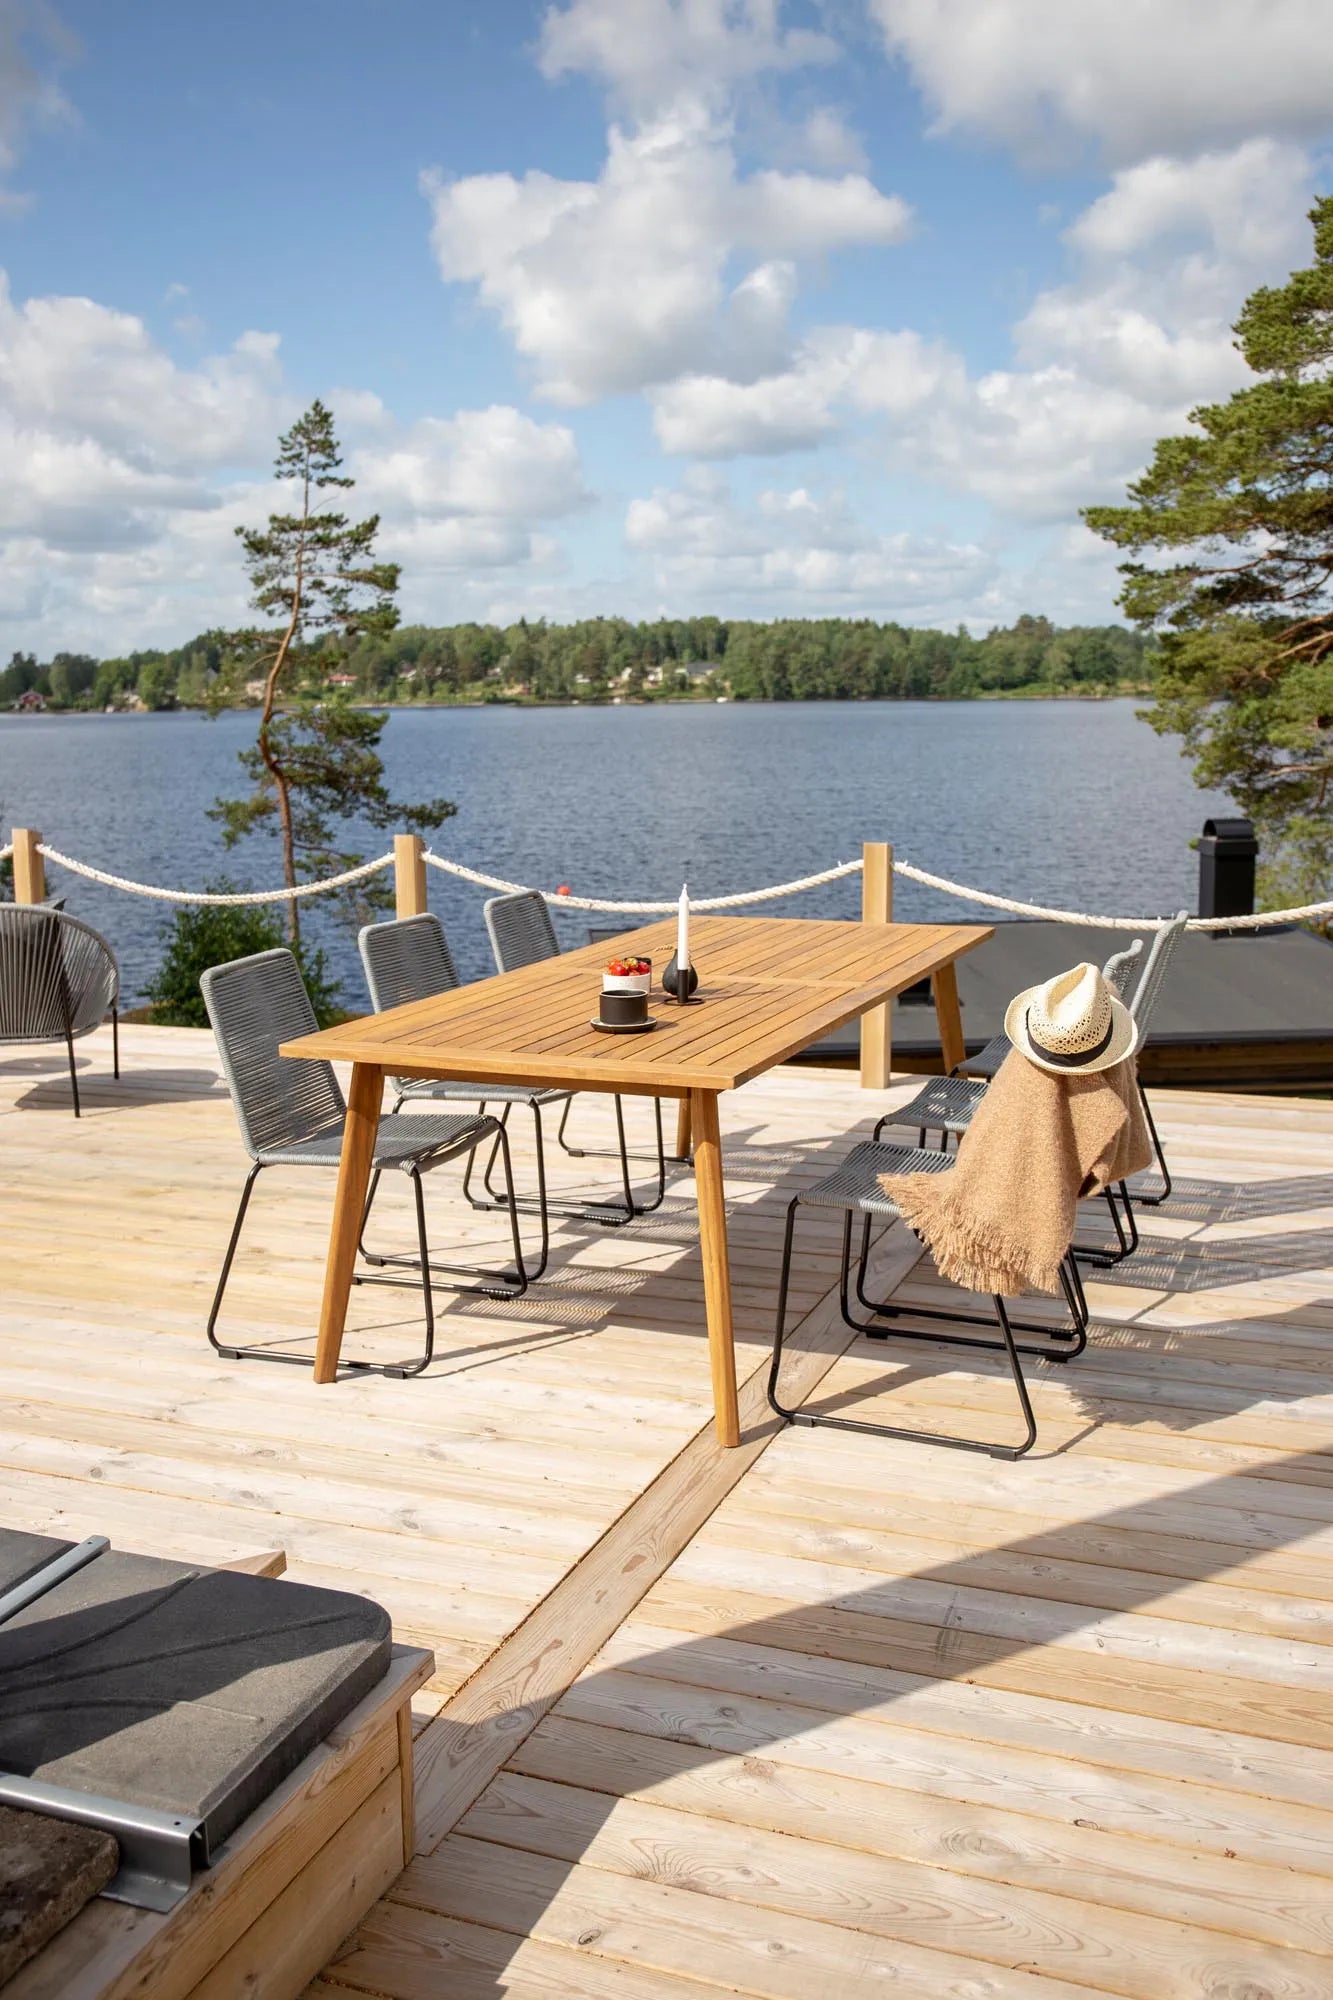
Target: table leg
{"type": "Point", "coordinates": [359, 1134]}
{"type": "Point", "coordinates": [944, 985]}
{"type": "Point", "coordinates": [717, 1270]}
{"type": "Point", "coordinates": [683, 1132]}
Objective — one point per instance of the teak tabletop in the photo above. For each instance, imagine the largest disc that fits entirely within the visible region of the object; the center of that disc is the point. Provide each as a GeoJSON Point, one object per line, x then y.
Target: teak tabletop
{"type": "Point", "coordinates": [768, 987]}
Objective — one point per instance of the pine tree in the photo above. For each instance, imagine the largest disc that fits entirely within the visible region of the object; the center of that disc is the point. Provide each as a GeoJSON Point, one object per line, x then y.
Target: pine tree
{"type": "Point", "coordinates": [1242, 510]}
{"type": "Point", "coordinates": [315, 760]}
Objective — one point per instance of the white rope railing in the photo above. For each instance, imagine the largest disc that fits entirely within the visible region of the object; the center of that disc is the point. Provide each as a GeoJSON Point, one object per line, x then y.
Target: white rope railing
{"type": "Point", "coordinates": [214, 896]}
{"type": "Point", "coordinates": [1258, 921]}
{"type": "Point", "coordinates": [563, 900]}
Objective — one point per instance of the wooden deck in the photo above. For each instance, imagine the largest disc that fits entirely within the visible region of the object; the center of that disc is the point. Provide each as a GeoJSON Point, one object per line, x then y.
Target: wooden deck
{"type": "Point", "coordinates": [824, 1715]}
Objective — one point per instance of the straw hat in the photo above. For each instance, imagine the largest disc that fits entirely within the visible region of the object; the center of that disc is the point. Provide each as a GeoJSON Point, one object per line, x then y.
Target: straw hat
{"type": "Point", "coordinates": [1072, 1024]}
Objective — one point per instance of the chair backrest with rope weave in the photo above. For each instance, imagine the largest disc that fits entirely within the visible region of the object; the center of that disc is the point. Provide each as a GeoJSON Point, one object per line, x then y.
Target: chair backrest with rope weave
{"type": "Point", "coordinates": [255, 1005]}
{"type": "Point", "coordinates": [407, 958]}
{"type": "Point", "coordinates": [58, 976]}
{"type": "Point", "coordinates": [1154, 971]}
{"type": "Point", "coordinates": [521, 930]}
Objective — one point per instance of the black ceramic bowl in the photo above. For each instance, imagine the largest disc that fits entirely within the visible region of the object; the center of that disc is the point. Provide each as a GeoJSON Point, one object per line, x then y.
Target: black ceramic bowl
{"type": "Point", "coordinates": [624, 1010]}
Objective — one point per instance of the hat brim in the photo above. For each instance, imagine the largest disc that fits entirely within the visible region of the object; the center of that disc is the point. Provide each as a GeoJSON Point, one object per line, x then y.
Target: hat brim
{"type": "Point", "coordinates": [1124, 1037]}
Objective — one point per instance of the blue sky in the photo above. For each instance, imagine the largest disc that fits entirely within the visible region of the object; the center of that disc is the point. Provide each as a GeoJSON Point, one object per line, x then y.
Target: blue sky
{"type": "Point", "coordinates": [627, 305]}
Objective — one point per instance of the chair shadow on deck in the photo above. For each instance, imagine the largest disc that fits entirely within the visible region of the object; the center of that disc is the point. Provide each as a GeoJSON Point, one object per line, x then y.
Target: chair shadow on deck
{"type": "Point", "coordinates": [99, 1090]}
{"type": "Point", "coordinates": [999, 1700]}
{"type": "Point", "coordinates": [576, 1298]}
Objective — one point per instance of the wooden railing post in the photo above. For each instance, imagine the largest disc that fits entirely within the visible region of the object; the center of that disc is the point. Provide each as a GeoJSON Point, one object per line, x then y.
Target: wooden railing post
{"type": "Point", "coordinates": [876, 908]}
{"type": "Point", "coordinates": [409, 874]}
{"type": "Point", "coordinates": [29, 868]}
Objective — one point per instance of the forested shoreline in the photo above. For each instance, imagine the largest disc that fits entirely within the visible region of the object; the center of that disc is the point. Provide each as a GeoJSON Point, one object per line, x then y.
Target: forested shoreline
{"type": "Point", "coordinates": [607, 659]}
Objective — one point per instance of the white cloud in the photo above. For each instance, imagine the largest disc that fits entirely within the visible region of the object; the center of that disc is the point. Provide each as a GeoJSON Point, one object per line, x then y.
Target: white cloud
{"type": "Point", "coordinates": [706, 416]}
{"type": "Point", "coordinates": [73, 369]}
{"type": "Point", "coordinates": [850, 368]}
{"type": "Point", "coordinates": [615, 284]}
{"type": "Point", "coordinates": [467, 492]}
{"type": "Point", "coordinates": [126, 474]}
{"type": "Point", "coordinates": [653, 52]}
{"type": "Point", "coordinates": [1135, 77]}
{"type": "Point", "coordinates": [826, 141]}
{"type": "Point", "coordinates": [1246, 205]}
{"type": "Point", "coordinates": [793, 551]}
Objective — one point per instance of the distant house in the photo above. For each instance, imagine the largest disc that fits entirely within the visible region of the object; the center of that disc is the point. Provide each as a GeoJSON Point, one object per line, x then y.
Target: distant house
{"type": "Point", "coordinates": [255, 689]}
{"type": "Point", "coordinates": [342, 680]}
{"type": "Point", "coordinates": [31, 702]}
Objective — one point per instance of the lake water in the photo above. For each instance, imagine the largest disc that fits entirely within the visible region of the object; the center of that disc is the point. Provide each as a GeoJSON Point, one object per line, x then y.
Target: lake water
{"type": "Point", "coordinates": [1073, 803]}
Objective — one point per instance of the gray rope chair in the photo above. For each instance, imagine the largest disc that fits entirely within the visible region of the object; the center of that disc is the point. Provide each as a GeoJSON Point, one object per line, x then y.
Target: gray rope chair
{"type": "Point", "coordinates": [291, 1110]}
{"type": "Point", "coordinates": [406, 959]}
{"type": "Point", "coordinates": [853, 1188]}
{"type": "Point", "coordinates": [58, 980]}
{"type": "Point", "coordinates": [948, 1103]}
{"type": "Point", "coordinates": [521, 933]}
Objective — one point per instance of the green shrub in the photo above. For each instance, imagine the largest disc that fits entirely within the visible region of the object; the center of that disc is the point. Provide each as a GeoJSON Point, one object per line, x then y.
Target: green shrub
{"type": "Point", "coordinates": [204, 934]}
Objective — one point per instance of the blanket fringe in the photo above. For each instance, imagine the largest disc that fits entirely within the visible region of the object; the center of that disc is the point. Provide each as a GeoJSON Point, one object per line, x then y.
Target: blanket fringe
{"type": "Point", "coordinates": [979, 1259]}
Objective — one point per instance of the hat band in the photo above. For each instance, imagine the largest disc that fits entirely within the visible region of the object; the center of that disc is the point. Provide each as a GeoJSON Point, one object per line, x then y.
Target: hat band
{"type": "Point", "coordinates": [1071, 1061]}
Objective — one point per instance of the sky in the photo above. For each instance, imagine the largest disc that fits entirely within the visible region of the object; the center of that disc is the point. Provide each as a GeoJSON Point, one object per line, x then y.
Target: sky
{"type": "Point", "coordinates": [634, 307]}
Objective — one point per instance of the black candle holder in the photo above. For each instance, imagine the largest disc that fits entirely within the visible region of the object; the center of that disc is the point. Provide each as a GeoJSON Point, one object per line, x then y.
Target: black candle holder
{"type": "Point", "coordinates": [681, 990]}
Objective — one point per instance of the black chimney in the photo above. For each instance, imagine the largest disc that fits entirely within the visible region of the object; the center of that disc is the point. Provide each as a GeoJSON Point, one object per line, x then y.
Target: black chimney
{"type": "Point", "coordinates": [1227, 851]}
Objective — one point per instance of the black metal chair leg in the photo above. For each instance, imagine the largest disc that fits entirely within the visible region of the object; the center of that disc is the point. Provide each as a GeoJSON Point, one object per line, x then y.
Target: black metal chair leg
{"type": "Point", "coordinates": [607, 1215]}
{"type": "Point", "coordinates": [468, 1195]}
{"type": "Point", "coordinates": [73, 1071]}
{"type": "Point", "coordinates": [510, 1200]}
{"type": "Point", "coordinates": [575, 1152]}
{"type": "Point", "coordinates": [516, 1239]}
{"type": "Point", "coordinates": [491, 1158]}
{"type": "Point", "coordinates": [1105, 1255]}
{"type": "Point", "coordinates": [115, 1043]}
{"type": "Point", "coordinates": [232, 1353]}
{"type": "Point", "coordinates": [486, 1284]}
{"type": "Point", "coordinates": [624, 1154]}
{"type": "Point", "coordinates": [401, 1370]}
{"type": "Point", "coordinates": [882, 1309]}
{"type": "Point", "coordinates": [820, 1420]}
{"type": "Point", "coordinates": [1164, 1195]}
{"type": "Point", "coordinates": [267, 1353]}
{"type": "Point", "coordinates": [607, 1152]}
{"type": "Point", "coordinates": [370, 1256]}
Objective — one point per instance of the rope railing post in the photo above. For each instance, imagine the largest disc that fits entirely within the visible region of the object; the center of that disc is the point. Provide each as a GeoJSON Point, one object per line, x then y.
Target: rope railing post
{"type": "Point", "coordinates": [876, 908]}
{"type": "Point", "coordinates": [29, 867]}
{"type": "Point", "coordinates": [409, 874]}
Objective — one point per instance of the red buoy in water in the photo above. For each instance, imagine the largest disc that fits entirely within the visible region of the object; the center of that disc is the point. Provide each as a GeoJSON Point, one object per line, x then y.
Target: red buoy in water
{"type": "Point", "coordinates": [563, 890]}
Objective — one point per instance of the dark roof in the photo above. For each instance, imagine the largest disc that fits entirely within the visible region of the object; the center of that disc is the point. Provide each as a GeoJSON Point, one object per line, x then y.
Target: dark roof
{"type": "Point", "coordinates": [1265, 986]}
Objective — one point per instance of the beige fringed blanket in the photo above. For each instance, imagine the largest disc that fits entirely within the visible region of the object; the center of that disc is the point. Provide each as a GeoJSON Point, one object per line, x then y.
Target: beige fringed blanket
{"type": "Point", "coordinates": [1003, 1219]}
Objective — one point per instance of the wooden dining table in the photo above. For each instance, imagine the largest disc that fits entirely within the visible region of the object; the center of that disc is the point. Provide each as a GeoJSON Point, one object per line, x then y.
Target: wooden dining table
{"type": "Point", "coordinates": [768, 987]}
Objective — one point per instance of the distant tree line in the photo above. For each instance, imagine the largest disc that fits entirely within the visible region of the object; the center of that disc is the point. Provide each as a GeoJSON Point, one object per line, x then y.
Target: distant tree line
{"type": "Point", "coordinates": [598, 659]}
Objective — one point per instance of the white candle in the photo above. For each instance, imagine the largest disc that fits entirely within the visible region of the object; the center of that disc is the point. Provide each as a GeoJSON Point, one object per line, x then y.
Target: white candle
{"type": "Point", "coordinates": [683, 929]}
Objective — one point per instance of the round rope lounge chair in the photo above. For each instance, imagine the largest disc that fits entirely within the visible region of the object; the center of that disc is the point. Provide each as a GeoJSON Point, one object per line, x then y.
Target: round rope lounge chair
{"type": "Point", "coordinates": [58, 981]}
{"type": "Point", "coordinates": [521, 933]}
{"type": "Point", "coordinates": [291, 1110]}
{"type": "Point", "coordinates": [854, 1189]}
{"type": "Point", "coordinates": [408, 958]}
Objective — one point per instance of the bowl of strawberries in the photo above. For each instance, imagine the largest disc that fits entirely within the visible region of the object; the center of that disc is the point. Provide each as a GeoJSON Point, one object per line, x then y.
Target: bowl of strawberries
{"type": "Point", "coordinates": [630, 974]}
